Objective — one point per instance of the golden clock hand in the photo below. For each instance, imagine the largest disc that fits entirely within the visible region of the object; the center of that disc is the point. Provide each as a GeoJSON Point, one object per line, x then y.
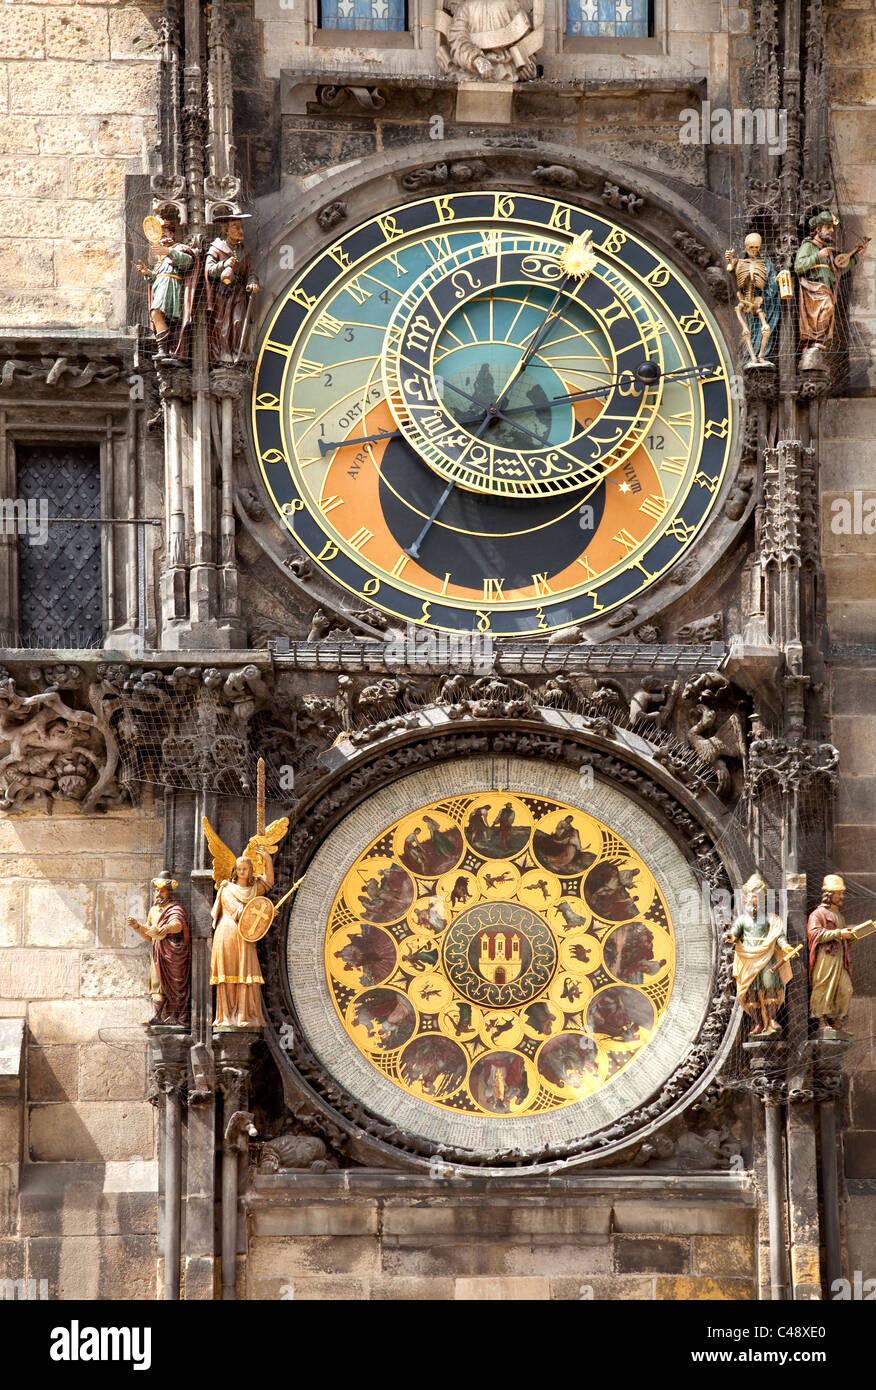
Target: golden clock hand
{"type": "Point", "coordinates": [535, 343]}
{"type": "Point", "coordinates": [648, 380]}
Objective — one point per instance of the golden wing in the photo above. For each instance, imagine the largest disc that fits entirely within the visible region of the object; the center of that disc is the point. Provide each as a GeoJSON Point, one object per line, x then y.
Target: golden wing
{"type": "Point", "coordinates": [223, 857]}
{"type": "Point", "coordinates": [269, 843]}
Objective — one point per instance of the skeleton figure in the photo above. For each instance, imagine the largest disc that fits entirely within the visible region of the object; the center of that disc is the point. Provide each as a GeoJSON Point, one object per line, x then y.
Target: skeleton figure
{"type": "Point", "coordinates": [757, 299]}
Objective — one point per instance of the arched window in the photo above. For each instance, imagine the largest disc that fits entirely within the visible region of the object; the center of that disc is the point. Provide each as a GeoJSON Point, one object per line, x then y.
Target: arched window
{"type": "Point", "coordinates": [380, 15]}
{"type": "Point", "coordinates": [609, 19]}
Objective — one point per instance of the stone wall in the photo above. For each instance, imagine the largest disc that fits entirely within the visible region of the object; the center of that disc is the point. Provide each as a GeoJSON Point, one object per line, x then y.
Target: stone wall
{"type": "Point", "coordinates": [77, 115]}
{"type": "Point", "coordinates": [76, 974]}
{"type": "Point", "coordinates": [370, 1235]}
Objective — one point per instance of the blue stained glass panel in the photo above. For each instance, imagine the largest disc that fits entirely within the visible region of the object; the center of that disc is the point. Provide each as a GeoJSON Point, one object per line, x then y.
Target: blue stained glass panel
{"type": "Point", "coordinates": [362, 14]}
{"type": "Point", "coordinates": [608, 19]}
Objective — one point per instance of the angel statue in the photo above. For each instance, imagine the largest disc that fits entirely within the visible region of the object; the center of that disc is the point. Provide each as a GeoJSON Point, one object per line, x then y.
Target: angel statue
{"type": "Point", "coordinates": [234, 962]}
{"type": "Point", "coordinates": [490, 40]}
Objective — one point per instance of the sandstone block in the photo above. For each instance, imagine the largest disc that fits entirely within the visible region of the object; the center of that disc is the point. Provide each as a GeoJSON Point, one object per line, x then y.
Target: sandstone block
{"type": "Point", "coordinates": [19, 136]}
{"type": "Point", "coordinates": [112, 1073]}
{"type": "Point", "coordinates": [302, 1289]}
{"type": "Point", "coordinates": [114, 906]}
{"type": "Point", "coordinates": [22, 268]}
{"type": "Point", "coordinates": [99, 178]}
{"type": "Point", "coordinates": [22, 32]}
{"type": "Point", "coordinates": [115, 974]}
{"type": "Point", "coordinates": [132, 31]}
{"type": "Point", "coordinates": [32, 177]}
{"type": "Point", "coordinates": [11, 906]}
{"type": "Point", "coordinates": [35, 216]}
{"type": "Point", "coordinates": [53, 1073]}
{"type": "Point", "coordinates": [120, 135]}
{"type": "Point", "coordinates": [59, 915]}
{"type": "Point", "coordinates": [651, 1255]}
{"type": "Point", "coordinates": [651, 1216]}
{"type": "Point", "coordinates": [58, 88]}
{"type": "Point", "coordinates": [77, 33]}
{"type": "Point", "coordinates": [403, 1290]}
{"type": "Point", "coordinates": [61, 1196]}
{"type": "Point", "coordinates": [67, 134]}
{"type": "Point", "coordinates": [74, 835]}
{"type": "Point", "coordinates": [720, 1290]}
{"type": "Point", "coordinates": [90, 1131]}
{"type": "Point", "coordinates": [492, 1290]}
{"type": "Point", "coordinates": [84, 263]}
{"type": "Point", "coordinates": [95, 1267]}
{"type": "Point", "coordinates": [38, 974]}
{"type": "Point", "coordinates": [78, 1021]}
{"type": "Point", "coordinates": [603, 1288]}
{"type": "Point", "coordinates": [285, 1258]}
{"type": "Point", "coordinates": [721, 1255]}
{"type": "Point", "coordinates": [317, 1221]}
{"type": "Point", "coordinates": [51, 867]}
{"type": "Point", "coordinates": [10, 1130]}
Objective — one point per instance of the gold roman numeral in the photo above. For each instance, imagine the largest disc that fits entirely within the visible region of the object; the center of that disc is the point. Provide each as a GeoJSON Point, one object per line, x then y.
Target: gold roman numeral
{"type": "Point", "coordinates": [493, 590]}
{"type": "Point", "coordinates": [361, 538]}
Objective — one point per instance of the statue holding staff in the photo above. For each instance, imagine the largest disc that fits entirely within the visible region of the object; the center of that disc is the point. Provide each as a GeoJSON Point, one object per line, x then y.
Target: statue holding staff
{"type": "Point", "coordinates": [761, 966]}
{"type": "Point", "coordinates": [167, 930]}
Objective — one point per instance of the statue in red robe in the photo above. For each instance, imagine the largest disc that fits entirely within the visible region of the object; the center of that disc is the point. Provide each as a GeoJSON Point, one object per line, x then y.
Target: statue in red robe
{"type": "Point", "coordinates": [167, 929]}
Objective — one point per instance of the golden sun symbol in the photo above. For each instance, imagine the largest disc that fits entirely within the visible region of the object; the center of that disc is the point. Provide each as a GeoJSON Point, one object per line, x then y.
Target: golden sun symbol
{"type": "Point", "coordinates": [579, 258]}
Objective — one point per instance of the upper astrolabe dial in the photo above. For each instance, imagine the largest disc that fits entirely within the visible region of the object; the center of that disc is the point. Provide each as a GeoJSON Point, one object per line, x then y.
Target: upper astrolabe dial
{"type": "Point", "coordinates": [493, 358]}
{"type": "Point", "coordinates": [492, 412]}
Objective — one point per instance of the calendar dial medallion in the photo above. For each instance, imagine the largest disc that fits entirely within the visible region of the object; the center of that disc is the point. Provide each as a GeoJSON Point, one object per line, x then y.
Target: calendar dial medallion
{"type": "Point", "coordinates": [493, 412]}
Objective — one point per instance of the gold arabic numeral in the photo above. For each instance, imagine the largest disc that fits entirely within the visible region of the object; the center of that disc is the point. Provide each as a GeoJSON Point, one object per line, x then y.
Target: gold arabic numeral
{"type": "Point", "coordinates": [614, 312]}
{"type": "Point", "coordinates": [715, 429]}
{"type": "Point", "coordinates": [542, 621]}
{"type": "Point", "coordinates": [390, 227]}
{"type": "Point", "coordinates": [614, 241]}
{"type": "Point", "coordinates": [680, 530]}
{"type": "Point", "coordinates": [424, 616]}
{"type": "Point", "coordinates": [597, 606]}
{"type": "Point", "coordinates": [653, 506]}
{"type": "Point", "coordinates": [266, 401]}
{"type": "Point", "coordinates": [692, 323]}
{"type": "Point", "coordinates": [327, 326]}
{"type": "Point", "coordinates": [673, 465]}
{"type": "Point", "coordinates": [358, 292]}
{"type": "Point", "coordinates": [290, 508]}
{"type": "Point", "coordinates": [637, 565]}
{"type": "Point", "coordinates": [300, 296]}
{"type": "Point", "coordinates": [540, 585]}
{"type": "Point", "coordinates": [589, 572]}
{"type": "Point", "coordinates": [399, 566]}
{"type": "Point", "coordinates": [307, 368]}
{"type": "Point", "coordinates": [273, 456]}
{"type": "Point", "coordinates": [561, 218]}
{"type": "Point", "coordinates": [483, 620]}
{"type": "Point", "coordinates": [626, 540]}
{"type": "Point", "coordinates": [371, 587]}
{"type": "Point", "coordinates": [703, 479]}
{"type": "Point", "coordinates": [658, 277]}
{"type": "Point", "coordinates": [504, 205]}
{"type": "Point", "coordinates": [328, 552]}
{"type": "Point", "coordinates": [444, 209]}
{"type": "Point", "coordinates": [340, 257]}
{"type": "Point", "coordinates": [493, 591]}
{"type": "Point", "coordinates": [329, 504]}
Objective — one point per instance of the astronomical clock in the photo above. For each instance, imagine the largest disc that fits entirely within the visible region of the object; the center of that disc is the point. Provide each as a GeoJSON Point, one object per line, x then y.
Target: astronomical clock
{"type": "Point", "coordinates": [496, 413]}
{"type": "Point", "coordinates": [492, 412]}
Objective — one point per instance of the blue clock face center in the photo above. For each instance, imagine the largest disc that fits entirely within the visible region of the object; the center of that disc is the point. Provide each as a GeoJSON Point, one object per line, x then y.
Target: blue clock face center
{"type": "Point", "coordinates": [481, 370]}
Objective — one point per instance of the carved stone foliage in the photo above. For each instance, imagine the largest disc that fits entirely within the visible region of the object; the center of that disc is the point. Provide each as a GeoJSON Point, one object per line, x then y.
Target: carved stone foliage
{"type": "Point", "coordinates": [622, 199]}
{"type": "Point", "coordinates": [792, 766]}
{"type": "Point", "coordinates": [304, 1075]}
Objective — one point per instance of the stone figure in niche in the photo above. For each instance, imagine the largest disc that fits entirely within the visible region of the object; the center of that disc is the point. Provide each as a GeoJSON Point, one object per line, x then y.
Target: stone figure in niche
{"type": "Point", "coordinates": [830, 966]}
{"type": "Point", "coordinates": [167, 930]}
{"type": "Point", "coordinates": [235, 969]}
{"type": "Point", "coordinates": [819, 266]}
{"type": "Point", "coordinates": [757, 299]}
{"type": "Point", "coordinates": [230, 285]}
{"type": "Point", "coordinates": [489, 40]}
{"type": "Point", "coordinates": [761, 966]}
{"type": "Point", "coordinates": [172, 285]}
